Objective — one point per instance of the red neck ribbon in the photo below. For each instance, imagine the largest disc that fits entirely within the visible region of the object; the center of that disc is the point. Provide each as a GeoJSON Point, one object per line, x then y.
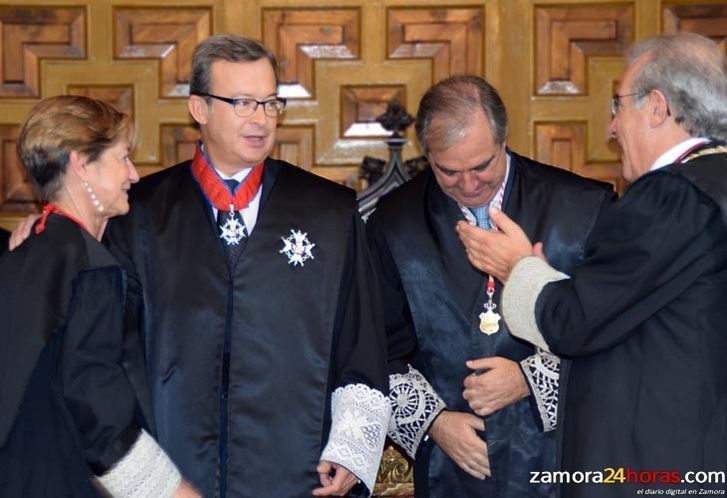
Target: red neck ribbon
{"type": "Point", "coordinates": [217, 191]}
{"type": "Point", "coordinates": [52, 208]}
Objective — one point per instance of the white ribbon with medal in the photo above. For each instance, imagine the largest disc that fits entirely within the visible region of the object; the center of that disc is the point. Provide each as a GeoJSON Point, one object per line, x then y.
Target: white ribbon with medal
{"type": "Point", "coordinates": [490, 319]}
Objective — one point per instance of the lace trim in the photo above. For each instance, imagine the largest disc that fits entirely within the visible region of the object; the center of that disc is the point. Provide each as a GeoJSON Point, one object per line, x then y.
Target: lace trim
{"type": "Point", "coordinates": [359, 415]}
{"type": "Point", "coordinates": [414, 405]}
{"type": "Point", "coordinates": [520, 294]}
{"type": "Point", "coordinates": [144, 472]}
{"type": "Point", "coordinates": [542, 371]}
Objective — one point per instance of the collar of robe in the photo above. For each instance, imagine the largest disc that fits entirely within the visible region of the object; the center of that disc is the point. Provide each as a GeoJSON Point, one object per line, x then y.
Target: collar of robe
{"type": "Point", "coordinates": [691, 154]}
{"type": "Point", "coordinates": [52, 208]}
{"type": "Point", "coordinates": [216, 190]}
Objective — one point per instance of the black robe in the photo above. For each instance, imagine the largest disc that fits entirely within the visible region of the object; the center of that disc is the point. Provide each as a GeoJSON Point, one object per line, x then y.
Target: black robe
{"type": "Point", "coordinates": [241, 366]}
{"type": "Point", "coordinates": [4, 236]}
{"type": "Point", "coordinates": [66, 404]}
{"type": "Point", "coordinates": [644, 319]}
{"type": "Point", "coordinates": [433, 297]}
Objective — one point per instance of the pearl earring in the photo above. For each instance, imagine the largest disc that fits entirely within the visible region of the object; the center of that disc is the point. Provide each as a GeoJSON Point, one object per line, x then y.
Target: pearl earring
{"type": "Point", "coordinates": [94, 200]}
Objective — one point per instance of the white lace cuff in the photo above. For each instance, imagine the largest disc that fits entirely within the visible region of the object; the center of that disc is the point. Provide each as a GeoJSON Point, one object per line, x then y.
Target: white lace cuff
{"type": "Point", "coordinates": [414, 405]}
{"type": "Point", "coordinates": [542, 371]}
{"type": "Point", "coordinates": [144, 472]}
{"type": "Point", "coordinates": [359, 416]}
{"type": "Point", "coordinates": [520, 294]}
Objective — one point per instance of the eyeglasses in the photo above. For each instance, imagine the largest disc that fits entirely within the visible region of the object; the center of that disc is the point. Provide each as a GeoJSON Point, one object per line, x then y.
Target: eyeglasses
{"type": "Point", "coordinates": [615, 104]}
{"type": "Point", "coordinates": [247, 107]}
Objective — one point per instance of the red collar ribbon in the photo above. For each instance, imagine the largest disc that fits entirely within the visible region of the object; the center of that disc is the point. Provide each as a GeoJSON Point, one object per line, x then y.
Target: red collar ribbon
{"type": "Point", "coordinates": [217, 192]}
{"type": "Point", "coordinates": [52, 208]}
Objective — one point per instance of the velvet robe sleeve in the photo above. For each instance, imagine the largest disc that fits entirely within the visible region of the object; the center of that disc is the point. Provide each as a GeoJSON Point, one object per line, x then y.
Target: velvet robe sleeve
{"type": "Point", "coordinates": [118, 237]}
{"type": "Point", "coordinates": [359, 364]}
{"type": "Point", "coordinates": [400, 335]}
{"type": "Point", "coordinates": [640, 257]}
{"type": "Point", "coordinates": [95, 388]}
{"type": "Point", "coordinates": [409, 391]}
{"type": "Point", "coordinates": [360, 348]}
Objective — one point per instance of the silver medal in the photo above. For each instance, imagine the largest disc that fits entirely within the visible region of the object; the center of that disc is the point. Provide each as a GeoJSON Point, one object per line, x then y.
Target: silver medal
{"type": "Point", "coordinates": [297, 248]}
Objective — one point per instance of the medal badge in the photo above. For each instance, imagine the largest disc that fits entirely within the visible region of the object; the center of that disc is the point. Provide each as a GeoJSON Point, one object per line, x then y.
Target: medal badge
{"type": "Point", "coordinates": [489, 322]}
{"type": "Point", "coordinates": [232, 232]}
{"type": "Point", "coordinates": [489, 319]}
{"type": "Point", "coordinates": [297, 248]}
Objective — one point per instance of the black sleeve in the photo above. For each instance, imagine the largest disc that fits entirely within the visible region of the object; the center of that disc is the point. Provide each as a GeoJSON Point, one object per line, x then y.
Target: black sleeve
{"type": "Point", "coordinates": [360, 348]}
{"type": "Point", "coordinates": [400, 335]}
{"type": "Point", "coordinates": [643, 253]}
{"type": "Point", "coordinates": [118, 240]}
{"type": "Point", "coordinates": [95, 387]}
{"type": "Point", "coordinates": [120, 237]}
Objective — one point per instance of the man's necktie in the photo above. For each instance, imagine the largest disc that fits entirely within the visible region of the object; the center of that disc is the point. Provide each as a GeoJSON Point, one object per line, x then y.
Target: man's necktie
{"type": "Point", "coordinates": [481, 216]}
{"type": "Point", "coordinates": [232, 231]}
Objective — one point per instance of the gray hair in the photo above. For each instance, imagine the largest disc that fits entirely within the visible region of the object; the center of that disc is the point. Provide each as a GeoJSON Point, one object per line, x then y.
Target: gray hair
{"type": "Point", "coordinates": [452, 103]}
{"type": "Point", "coordinates": [231, 48]}
{"type": "Point", "coordinates": [691, 71]}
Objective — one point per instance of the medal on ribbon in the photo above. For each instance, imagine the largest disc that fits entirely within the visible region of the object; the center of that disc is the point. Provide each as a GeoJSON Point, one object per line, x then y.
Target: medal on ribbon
{"type": "Point", "coordinates": [219, 195]}
{"type": "Point", "coordinates": [232, 232]}
{"type": "Point", "coordinates": [489, 319]}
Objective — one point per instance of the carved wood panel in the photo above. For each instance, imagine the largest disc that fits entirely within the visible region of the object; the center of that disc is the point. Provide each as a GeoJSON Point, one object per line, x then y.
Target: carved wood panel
{"type": "Point", "coordinates": [568, 35]}
{"type": "Point", "coordinates": [708, 19]}
{"type": "Point", "coordinates": [564, 145]}
{"type": "Point", "coordinates": [300, 36]}
{"type": "Point", "coordinates": [178, 143]}
{"type": "Point", "coordinates": [30, 34]}
{"type": "Point", "coordinates": [168, 35]}
{"type": "Point", "coordinates": [554, 62]}
{"type": "Point", "coordinates": [295, 145]}
{"type": "Point", "coordinates": [361, 105]}
{"type": "Point", "coordinates": [451, 37]}
{"type": "Point", "coordinates": [119, 96]}
{"type": "Point", "coordinates": [16, 191]}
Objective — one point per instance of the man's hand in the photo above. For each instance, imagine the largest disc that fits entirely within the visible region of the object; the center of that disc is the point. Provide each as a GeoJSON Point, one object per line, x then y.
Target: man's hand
{"type": "Point", "coordinates": [502, 384]}
{"type": "Point", "coordinates": [337, 484]}
{"type": "Point", "coordinates": [186, 490]}
{"type": "Point", "coordinates": [496, 252]}
{"type": "Point", "coordinates": [454, 432]}
{"type": "Point", "coordinates": [22, 232]}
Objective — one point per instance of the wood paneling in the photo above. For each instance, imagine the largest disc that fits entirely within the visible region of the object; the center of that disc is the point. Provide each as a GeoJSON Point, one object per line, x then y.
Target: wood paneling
{"type": "Point", "coordinates": [564, 145]}
{"type": "Point", "coordinates": [295, 145]}
{"type": "Point", "coordinates": [30, 34]}
{"type": "Point", "coordinates": [708, 19]}
{"type": "Point", "coordinates": [568, 35]}
{"type": "Point", "coordinates": [300, 36]}
{"type": "Point", "coordinates": [556, 62]}
{"type": "Point", "coordinates": [452, 38]}
{"type": "Point", "coordinates": [178, 143]}
{"type": "Point", "coordinates": [167, 35]}
{"type": "Point", "coordinates": [16, 191]}
{"type": "Point", "coordinates": [119, 96]}
{"type": "Point", "coordinates": [361, 105]}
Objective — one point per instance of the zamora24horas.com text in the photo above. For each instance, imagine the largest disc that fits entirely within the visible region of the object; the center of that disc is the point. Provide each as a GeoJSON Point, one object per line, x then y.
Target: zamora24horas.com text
{"type": "Point", "coordinates": [626, 475]}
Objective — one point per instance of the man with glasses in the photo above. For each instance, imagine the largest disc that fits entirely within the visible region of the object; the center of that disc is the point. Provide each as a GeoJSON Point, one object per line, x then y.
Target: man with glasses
{"type": "Point", "coordinates": [643, 316]}
{"type": "Point", "coordinates": [251, 284]}
{"type": "Point", "coordinates": [474, 407]}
